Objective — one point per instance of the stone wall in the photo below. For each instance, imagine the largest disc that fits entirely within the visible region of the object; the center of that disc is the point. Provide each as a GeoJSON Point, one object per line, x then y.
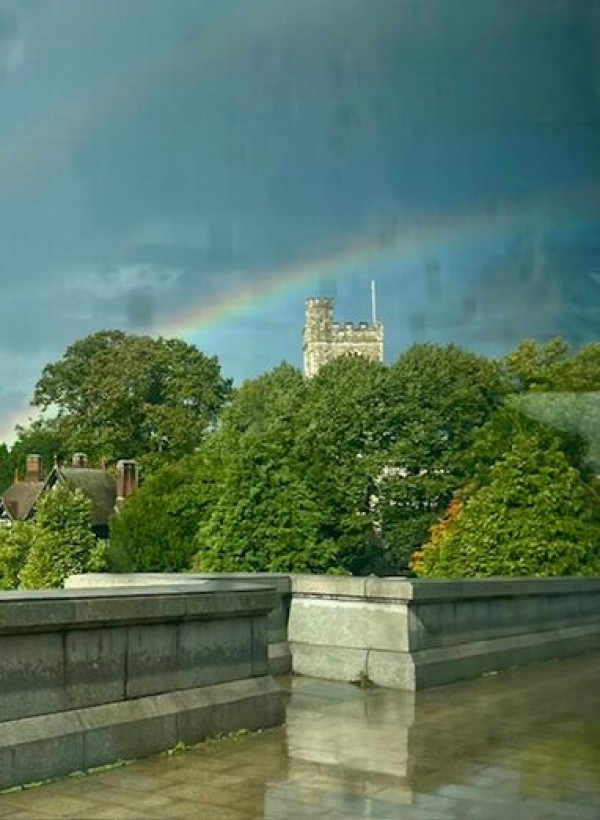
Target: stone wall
{"type": "Point", "coordinates": [280, 659]}
{"type": "Point", "coordinates": [414, 634]}
{"type": "Point", "coordinates": [91, 676]}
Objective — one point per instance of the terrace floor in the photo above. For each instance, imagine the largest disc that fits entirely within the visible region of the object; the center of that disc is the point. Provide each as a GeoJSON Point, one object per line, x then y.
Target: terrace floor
{"type": "Point", "coordinates": [522, 745]}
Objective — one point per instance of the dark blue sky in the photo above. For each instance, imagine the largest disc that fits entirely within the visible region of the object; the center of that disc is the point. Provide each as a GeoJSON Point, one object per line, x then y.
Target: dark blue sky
{"type": "Point", "coordinates": [157, 155]}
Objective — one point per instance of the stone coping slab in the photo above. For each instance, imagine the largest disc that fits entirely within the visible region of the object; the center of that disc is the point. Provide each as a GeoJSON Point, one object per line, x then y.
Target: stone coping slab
{"type": "Point", "coordinates": [426, 589]}
{"type": "Point", "coordinates": [51, 610]}
{"type": "Point", "coordinates": [398, 588]}
{"type": "Point", "coordinates": [279, 580]}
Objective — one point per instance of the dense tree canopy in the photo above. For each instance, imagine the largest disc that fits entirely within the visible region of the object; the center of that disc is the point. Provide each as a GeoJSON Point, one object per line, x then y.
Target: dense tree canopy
{"type": "Point", "coordinates": [265, 516]}
{"type": "Point", "coordinates": [155, 528]}
{"type": "Point", "coordinates": [347, 471]}
{"type": "Point", "coordinates": [58, 542]}
{"type": "Point", "coordinates": [536, 516]}
{"type": "Point", "coordinates": [554, 366]}
{"type": "Point", "coordinates": [119, 395]}
{"type": "Point", "coordinates": [440, 396]}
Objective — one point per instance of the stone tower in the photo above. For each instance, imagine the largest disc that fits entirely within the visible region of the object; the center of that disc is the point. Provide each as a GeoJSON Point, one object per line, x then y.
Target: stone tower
{"type": "Point", "coordinates": [325, 340]}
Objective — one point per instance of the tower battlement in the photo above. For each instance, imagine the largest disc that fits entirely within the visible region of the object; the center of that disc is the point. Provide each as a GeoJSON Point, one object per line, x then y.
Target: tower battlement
{"type": "Point", "coordinates": [325, 340]}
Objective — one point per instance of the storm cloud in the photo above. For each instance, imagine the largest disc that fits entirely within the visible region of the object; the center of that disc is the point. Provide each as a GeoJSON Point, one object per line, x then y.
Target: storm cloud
{"type": "Point", "coordinates": [156, 155]}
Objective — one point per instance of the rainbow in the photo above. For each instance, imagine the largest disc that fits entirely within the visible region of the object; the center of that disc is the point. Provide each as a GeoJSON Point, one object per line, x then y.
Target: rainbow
{"type": "Point", "coordinates": [396, 253]}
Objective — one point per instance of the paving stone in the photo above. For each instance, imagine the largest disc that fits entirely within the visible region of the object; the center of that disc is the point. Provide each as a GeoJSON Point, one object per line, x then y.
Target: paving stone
{"type": "Point", "coordinates": [519, 746]}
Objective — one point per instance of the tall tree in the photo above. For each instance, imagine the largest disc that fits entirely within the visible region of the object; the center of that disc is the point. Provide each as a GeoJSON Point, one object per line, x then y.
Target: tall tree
{"type": "Point", "coordinates": [41, 436]}
{"type": "Point", "coordinates": [438, 398]}
{"type": "Point", "coordinates": [62, 542]}
{"type": "Point", "coordinates": [554, 366]}
{"type": "Point", "coordinates": [6, 468]}
{"type": "Point", "coordinates": [119, 395]}
{"type": "Point", "coordinates": [535, 517]}
{"type": "Point", "coordinates": [155, 528]}
{"type": "Point", "coordinates": [343, 433]}
{"type": "Point", "coordinates": [265, 516]}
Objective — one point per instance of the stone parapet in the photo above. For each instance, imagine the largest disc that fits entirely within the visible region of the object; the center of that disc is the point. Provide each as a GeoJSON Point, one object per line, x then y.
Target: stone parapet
{"type": "Point", "coordinates": [416, 633]}
{"type": "Point", "coordinates": [91, 675]}
{"type": "Point", "coordinates": [280, 659]}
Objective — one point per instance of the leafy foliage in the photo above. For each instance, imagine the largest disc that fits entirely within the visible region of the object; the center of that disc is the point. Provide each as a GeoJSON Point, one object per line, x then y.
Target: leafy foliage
{"type": "Point", "coordinates": [342, 430]}
{"type": "Point", "coordinates": [155, 528]}
{"type": "Point", "coordinates": [439, 397]}
{"type": "Point", "coordinates": [15, 543]}
{"type": "Point", "coordinates": [120, 395]}
{"type": "Point", "coordinates": [6, 468]}
{"type": "Point", "coordinates": [265, 517]}
{"type": "Point", "coordinates": [535, 517]}
{"type": "Point", "coordinates": [61, 541]}
{"type": "Point", "coordinates": [41, 437]}
{"type": "Point", "coordinates": [553, 366]}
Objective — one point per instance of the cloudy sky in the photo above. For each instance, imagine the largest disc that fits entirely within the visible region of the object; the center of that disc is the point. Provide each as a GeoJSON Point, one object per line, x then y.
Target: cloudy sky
{"type": "Point", "coordinates": [200, 167]}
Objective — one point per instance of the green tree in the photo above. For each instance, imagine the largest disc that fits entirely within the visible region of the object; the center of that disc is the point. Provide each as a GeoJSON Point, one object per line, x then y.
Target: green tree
{"type": "Point", "coordinates": [41, 436]}
{"type": "Point", "coordinates": [6, 468]}
{"type": "Point", "coordinates": [15, 543]}
{"type": "Point", "coordinates": [438, 398]}
{"type": "Point", "coordinates": [553, 366]}
{"type": "Point", "coordinates": [536, 517]}
{"type": "Point", "coordinates": [119, 395]}
{"type": "Point", "coordinates": [496, 438]}
{"type": "Point", "coordinates": [342, 440]}
{"type": "Point", "coordinates": [265, 516]}
{"type": "Point", "coordinates": [62, 542]}
{"type": "Point", "coordinates": [560, 387]}
{"type": "Point", "coordinates": [155, 528]}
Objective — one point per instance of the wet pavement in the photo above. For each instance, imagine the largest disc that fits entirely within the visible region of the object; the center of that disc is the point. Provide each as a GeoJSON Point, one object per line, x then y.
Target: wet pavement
{"type": "Point", "coordinates": [522, 745]}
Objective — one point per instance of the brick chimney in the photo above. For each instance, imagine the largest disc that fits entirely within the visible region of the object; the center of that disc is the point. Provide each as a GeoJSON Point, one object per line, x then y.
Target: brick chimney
{"type": "Point", "coordinates": [127, 478]}
{"type": "Point", "coordinates": [33, 468]}
{"type": "Point", "coordinates": [80, 460]}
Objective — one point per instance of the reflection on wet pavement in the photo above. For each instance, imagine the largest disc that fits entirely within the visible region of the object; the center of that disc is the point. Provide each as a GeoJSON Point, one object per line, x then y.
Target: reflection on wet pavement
{"type": "Point", "coordinates": [524, 744]}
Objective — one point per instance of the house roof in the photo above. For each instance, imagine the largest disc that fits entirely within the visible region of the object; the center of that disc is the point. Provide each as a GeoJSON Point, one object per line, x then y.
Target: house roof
{"type": "Point", "coordinates": [20, 498]}
{"type": "Point", "coordinates": [98, 485]}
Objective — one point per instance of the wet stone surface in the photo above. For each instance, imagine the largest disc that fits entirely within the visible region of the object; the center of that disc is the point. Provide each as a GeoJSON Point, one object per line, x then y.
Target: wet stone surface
{"type": "Point", "coordinates": [522, 745]}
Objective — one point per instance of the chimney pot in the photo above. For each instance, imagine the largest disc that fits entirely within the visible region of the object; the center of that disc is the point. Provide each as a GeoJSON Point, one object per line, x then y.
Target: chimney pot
{"type": "Point", "coordinates": [80, 460]}
{"type": "Point", "coordinates": [127, 478]}
{"type": "Point", "coordinates": [33, 468]}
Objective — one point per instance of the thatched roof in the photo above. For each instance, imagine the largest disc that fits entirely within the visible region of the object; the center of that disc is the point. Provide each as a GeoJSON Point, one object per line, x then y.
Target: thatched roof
{"type": "Point", "coordinates": [20, 498]}
{"type": "Point", "coordinates": [98, 485]}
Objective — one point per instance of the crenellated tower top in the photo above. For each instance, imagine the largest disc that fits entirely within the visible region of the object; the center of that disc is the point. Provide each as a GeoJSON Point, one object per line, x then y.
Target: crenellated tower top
{"type": "Point", "coordinates": [325, 340]}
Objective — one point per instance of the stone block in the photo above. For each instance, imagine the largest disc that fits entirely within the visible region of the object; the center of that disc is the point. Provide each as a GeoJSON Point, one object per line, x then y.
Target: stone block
{"type": "Point", "coordinates": [394, 670]}
{"type": "Point", "coordinates": [40, 748]}
{"type": "Point", "coordinates": [47, 746]}
{"type": "Point", "coordinates": [435, 667]}
{"type": "Point", "coordinates": [94, 662]}
{"type": "Point", "coordinates": [383, 589]}
{"type": "Point", "coordinates": [210, 652]}
{"type": "Point", "coordinates": [151, 659]}
{"type": "Point", "coordinates": [259, 648]}
{"type": "Point", "coordinates": [328, 585]}
{"type": "Point", "coordinates": [31, 675]}
{"type": "Point", "coordinates": [332, 662]}
{"type": "Point", "coordinates": [387, 627]}
{"type": "Point", "coordinates": [280, 658]}
{"type": "Point", "coordinates": [329, 622]}
{"type": "Point", "coordinates": [356, 624]}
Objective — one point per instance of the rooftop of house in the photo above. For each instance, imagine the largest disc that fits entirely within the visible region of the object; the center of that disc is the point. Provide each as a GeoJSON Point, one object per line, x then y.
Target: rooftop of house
{"type": "Point", "coordinates": [19, 499]}
{"type": "Point", "coordinates": [97, 484]}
